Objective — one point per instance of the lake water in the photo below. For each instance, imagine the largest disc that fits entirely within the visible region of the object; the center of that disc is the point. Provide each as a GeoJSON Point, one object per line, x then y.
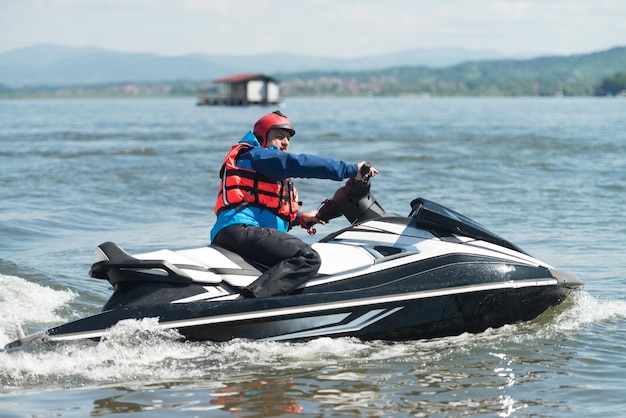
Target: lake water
{"type": "Point", "coordinates": [547, 174]}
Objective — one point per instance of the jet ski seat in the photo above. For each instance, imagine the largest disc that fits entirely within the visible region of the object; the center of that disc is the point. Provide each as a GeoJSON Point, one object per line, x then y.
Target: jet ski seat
{"type": "Point", "coordinates": [210, 264]}
{"type": "Point", "coordinates": [206, 265]}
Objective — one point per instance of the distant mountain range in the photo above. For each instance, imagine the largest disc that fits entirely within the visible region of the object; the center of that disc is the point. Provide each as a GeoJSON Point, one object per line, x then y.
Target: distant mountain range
{"type": "Point", "coordinates": [55, 65]}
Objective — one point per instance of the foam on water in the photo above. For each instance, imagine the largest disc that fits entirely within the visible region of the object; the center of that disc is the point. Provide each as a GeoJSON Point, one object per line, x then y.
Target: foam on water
{"type": "Point", "coordinates": [589, 310]}
{"type": "Point", "coordinates": [25, 303]}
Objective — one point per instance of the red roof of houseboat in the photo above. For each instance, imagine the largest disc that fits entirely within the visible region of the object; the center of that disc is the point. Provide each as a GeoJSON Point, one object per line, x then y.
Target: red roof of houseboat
{"type": "Point", "coordinates": [244, 77]}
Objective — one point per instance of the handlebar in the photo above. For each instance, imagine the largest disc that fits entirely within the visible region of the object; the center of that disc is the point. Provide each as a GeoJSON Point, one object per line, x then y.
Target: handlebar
{"type": "Point", "coordinates": [353, 200]}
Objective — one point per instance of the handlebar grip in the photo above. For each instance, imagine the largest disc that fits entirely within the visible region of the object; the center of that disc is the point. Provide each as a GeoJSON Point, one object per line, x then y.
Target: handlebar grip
{"type": "Point", "coordinates": [365, 168]}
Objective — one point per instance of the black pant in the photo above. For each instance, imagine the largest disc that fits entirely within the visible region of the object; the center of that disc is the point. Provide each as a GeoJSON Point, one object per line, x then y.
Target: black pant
{"type": "Point", "coordinates": [291, 260]}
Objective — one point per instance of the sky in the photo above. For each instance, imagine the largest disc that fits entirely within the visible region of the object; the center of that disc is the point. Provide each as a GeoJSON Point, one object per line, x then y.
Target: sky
{"type": "Point", "coordinates": [329, 28]}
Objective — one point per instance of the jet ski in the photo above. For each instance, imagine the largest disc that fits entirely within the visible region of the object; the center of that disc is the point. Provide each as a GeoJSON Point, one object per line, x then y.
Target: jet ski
{"type": "Point", "coordinates": [430, 274]}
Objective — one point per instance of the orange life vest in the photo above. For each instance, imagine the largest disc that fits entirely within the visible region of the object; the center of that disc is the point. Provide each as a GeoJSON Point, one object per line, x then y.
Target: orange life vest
{"type": "Point", "coordinates": [242, 186]}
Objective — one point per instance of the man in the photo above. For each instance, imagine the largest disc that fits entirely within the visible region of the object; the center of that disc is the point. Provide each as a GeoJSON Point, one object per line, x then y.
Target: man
{"type": "Point", "coordinates": [257, 204]}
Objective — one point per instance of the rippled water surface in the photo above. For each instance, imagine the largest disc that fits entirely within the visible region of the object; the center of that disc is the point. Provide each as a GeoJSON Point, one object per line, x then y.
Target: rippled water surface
{"type": "Point", "coordinates": [548, 174]}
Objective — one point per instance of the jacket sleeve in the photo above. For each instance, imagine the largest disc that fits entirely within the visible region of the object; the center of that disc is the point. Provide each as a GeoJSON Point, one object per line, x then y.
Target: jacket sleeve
{"type": "Point", "coordinates": [278, 165]}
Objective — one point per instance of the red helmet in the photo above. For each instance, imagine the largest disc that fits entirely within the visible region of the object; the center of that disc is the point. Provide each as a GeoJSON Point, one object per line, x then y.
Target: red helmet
{"type": "Point", "coordinates": [275, 120]}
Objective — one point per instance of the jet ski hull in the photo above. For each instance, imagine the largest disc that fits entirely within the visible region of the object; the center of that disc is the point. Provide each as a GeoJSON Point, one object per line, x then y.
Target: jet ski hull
{"type": "Point", "coordinates": [418, 309]}
{"type": "Point", "coordinates": [434, 273]}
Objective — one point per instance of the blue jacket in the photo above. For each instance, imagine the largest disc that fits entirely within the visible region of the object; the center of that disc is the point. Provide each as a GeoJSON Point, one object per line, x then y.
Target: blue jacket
{"type": "Point", "coordinates": [278, 165]}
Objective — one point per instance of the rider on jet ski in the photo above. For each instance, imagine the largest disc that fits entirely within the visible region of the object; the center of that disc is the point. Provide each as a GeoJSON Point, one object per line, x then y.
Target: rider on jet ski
{"type": "Point", "coordinates": [257, 204]}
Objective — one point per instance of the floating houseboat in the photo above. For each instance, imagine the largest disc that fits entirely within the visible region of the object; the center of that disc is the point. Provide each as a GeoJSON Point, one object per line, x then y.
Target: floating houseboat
{"type": "Point", "coordinates": [243, 90]}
